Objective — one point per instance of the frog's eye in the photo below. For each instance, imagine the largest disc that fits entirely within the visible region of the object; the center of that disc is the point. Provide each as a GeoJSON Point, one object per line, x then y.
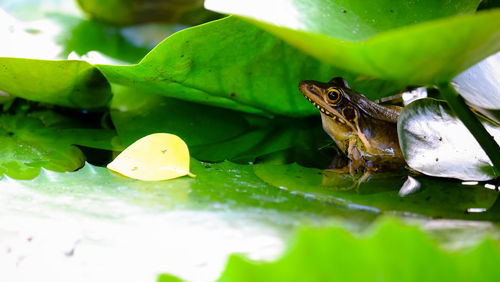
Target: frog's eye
{"type": "Point", "coordinates": [334, 95]}
{"type": "Point", "coordinates": [349, 113]}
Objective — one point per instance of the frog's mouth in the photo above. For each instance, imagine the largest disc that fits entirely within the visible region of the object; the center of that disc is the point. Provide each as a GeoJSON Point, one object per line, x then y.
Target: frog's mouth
{"type": "Point", "coordinates": [314, 94]}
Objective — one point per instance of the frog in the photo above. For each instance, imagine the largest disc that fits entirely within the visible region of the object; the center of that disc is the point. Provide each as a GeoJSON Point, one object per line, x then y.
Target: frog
{"type": "Point", "coordinates": [364, 131]}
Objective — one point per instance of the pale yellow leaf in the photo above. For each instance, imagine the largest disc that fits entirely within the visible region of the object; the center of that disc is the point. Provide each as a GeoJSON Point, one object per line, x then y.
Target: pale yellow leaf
{"type": "Point", "coordinates": [159, 156]}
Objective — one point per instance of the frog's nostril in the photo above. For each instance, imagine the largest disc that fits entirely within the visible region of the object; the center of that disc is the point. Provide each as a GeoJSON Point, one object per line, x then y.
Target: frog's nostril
{"type": "Point", "coordinates": [310, 88]}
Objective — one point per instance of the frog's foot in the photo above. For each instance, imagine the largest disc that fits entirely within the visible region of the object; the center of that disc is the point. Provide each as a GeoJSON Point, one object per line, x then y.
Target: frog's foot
{"type": "Point", "coordinates": [342, 180]}
{"type": "Point", "coordinates": [343, 170]}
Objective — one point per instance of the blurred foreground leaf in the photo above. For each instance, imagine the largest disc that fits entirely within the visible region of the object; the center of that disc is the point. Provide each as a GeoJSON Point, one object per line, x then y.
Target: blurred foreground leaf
{"type": "Point", "coordinates": [413, 42]}
{"type": "Point", "coordinates": [391, 252]}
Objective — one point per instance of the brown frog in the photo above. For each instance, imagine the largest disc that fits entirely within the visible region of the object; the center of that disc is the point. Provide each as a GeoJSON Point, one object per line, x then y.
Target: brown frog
{"type": "Point", "coordinates": [363, 130]}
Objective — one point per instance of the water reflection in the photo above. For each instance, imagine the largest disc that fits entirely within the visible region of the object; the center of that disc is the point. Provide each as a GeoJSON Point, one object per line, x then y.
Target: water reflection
{"type": "Point", "coordinates": [387, 192]}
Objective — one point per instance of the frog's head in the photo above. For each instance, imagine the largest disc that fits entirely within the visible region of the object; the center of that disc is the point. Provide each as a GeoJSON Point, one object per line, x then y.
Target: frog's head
{"type": "Point", "coordinates": [339, 111]}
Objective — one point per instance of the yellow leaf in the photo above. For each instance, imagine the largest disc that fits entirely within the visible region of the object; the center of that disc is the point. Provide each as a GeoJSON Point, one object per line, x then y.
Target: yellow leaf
{"type": "Point", "coordinates": [158, 156]}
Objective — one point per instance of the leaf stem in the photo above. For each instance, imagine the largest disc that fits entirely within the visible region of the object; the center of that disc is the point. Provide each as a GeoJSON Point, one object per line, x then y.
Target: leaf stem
{"type": "Point", "coordinates": [472, 123]}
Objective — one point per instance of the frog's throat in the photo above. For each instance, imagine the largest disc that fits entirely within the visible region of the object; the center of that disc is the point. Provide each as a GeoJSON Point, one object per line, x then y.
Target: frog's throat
{"type": "Point", "coordinates": [338, 138]}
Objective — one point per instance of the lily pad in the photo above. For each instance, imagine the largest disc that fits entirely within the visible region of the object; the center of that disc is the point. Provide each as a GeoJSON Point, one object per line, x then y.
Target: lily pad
{"type": "Point", "coordinates": [390, 252]}
{"type": "Point", "coordinates": [413, 42]}
{"type": "Point", "coordinates": [435, 142]}
{"type": "Point", "coordinates": [436, 197]}
{"type": "Point", "coordinates": [74, 84]}
{"type": "Point", "coordinates": [233, 64]}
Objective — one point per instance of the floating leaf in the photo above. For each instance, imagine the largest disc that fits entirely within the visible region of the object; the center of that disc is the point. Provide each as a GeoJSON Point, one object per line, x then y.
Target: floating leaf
{"type": "Point", "coordinates": [155, 157]}
{"type": "Point", "coordinates": [435, 142]}
{"type": "Point", "coordinates": [417, 42]}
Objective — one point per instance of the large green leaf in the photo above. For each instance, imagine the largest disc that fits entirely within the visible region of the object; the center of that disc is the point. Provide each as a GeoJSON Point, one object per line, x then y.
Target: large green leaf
{"type": "Point", "coordinates": [230, 63]}
{"type": "Point", "coordinates": [74, 84]}
{"type": "Point", "coordinates": [392, 252]}
{"type": "Point", "coordinates": [408, 41]}
{"type": "Point", "coordinates": [436, 197]}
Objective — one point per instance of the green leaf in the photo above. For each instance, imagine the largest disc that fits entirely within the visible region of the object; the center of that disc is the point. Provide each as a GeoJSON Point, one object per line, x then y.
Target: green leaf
{"type": "Point", "coordinates": [412, 42]}
{"type": "Point", "coordinates": [391, 252]}
{"type": "Point", "coordinates": [74, 84]}
{"type": "Point", "coordinates": [28, 145]}
{"type": "Point", "coordinates": [434, 141]}
{"type": "Point", "coordinates": [436, 197]}
{"type": "Point", "coordinates": [230, 63]}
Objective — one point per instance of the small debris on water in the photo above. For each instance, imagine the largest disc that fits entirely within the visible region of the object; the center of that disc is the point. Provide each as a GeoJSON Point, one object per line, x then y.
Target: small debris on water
{"type": "Point", "coordinates": [410, 186]}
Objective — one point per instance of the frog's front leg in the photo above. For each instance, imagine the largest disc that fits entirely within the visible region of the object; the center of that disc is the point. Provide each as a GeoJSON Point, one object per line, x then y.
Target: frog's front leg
{"type": "Point", "coordinates": [355, 156]}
